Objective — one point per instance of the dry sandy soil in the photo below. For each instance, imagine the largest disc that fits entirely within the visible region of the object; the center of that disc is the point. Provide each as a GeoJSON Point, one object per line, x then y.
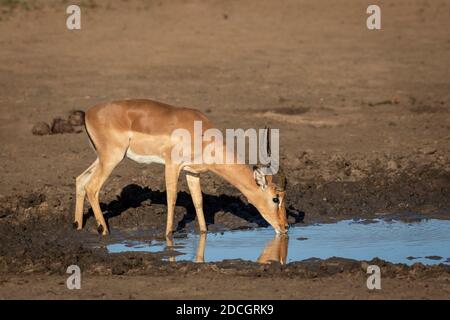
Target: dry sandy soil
{"type": "Point", "coordinates": [364, 119]}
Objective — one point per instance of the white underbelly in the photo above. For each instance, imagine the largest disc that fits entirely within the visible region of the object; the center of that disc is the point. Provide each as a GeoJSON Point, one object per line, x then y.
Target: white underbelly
{"type": "Point", "coordinates": [144, 159]}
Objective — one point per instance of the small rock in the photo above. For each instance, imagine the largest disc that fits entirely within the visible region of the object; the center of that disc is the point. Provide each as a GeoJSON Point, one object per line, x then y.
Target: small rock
{"type": "Point", "coordinates": [433, 257]}
{"type": "Point", "coordinates": [61, 126]}
{"type": "Point", "coordinates": [76, 118]}
{"type": "Point", "coordinates": [412, 258]}
{"type": "Point", "coordinates": [428, 150]}
{"type": "Point", "coordinates": [392, 165]}
{"type": "Point", "coordinates": [41, 129]}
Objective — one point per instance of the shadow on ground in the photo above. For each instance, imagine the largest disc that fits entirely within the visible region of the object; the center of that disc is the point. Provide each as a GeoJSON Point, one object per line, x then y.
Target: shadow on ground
{"type": "Point", "coordinates": [133, 196]}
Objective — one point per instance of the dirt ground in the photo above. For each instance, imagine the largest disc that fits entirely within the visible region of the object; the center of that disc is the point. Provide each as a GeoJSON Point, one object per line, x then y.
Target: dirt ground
{"type": "Point", "coordinates": [364, 120]}
{"type": "Point", "coordinates": [224, 287]}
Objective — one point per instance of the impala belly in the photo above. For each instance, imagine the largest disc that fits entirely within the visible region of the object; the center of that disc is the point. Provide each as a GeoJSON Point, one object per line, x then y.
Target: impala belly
{"type": "Point", "coordinates": [144, 158]}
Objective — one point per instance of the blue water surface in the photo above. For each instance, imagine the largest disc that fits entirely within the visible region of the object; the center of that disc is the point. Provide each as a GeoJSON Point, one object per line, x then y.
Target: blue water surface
{"type": "Point", "coordinates": [392, 241]}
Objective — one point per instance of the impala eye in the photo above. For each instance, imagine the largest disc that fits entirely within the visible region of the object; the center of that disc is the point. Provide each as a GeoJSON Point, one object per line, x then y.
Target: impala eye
{"type": "Point", "coordinates": [276, 200]}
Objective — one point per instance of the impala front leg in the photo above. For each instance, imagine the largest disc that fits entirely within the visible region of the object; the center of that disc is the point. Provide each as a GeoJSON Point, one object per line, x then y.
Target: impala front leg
{"type": "Point", "coordinates": [107, 162]}
{"type": "Point", "coordinates": [193, 181]}
{"type": "Point", "coordinates": [172, 173]}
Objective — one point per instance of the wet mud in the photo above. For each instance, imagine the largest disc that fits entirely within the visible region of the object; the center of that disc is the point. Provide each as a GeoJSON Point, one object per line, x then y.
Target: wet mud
{"type": "Point", "coordinates": [37, 234]}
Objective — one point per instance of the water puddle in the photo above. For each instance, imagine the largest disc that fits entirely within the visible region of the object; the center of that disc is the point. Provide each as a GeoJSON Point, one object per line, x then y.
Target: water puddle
{"type": "Point", "coordinates": [427, 241]}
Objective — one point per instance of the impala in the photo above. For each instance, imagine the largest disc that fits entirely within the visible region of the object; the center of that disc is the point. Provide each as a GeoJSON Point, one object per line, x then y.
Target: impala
{"type": "Point", "coordinates": [141, 130]}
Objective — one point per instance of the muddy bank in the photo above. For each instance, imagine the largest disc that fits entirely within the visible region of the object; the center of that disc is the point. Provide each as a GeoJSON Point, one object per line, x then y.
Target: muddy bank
{"type": "Point", "coordinates": [411, 186]}
{"type": "Point", "coordinates": [50, 248]}
{"type": "Point", "coordinates": [37, 235]}
{"type": "Point", "coordinates": [339, 187]}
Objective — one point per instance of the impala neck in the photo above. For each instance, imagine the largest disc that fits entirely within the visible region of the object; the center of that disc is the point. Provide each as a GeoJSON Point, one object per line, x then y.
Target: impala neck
{"type": "Point", "coordinates": [241, 176]}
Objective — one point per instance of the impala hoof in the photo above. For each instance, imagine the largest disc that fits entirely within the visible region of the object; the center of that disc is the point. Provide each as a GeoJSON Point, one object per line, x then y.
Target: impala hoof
{"type": "Point", "coordinates": [100, 229]}
{"type": "Point", "coordinates": [75, 225]}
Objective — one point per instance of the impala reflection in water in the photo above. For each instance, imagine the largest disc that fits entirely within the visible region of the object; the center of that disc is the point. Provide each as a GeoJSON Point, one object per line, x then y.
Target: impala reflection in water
{"type": "Point", "coordinates": [424, 241]}
{"type": "Point", "coordinates": [275, 250]}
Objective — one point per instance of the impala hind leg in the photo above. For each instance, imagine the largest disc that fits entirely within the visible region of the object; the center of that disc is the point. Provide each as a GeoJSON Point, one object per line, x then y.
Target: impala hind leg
{"type": "Point", "coordinates": [193, 181]}
{"type": "Point", "coordinates": [81, 182]}
{"type": "Point", "coordinates": [98, 178]}
{"type": "Point", "coordinates": [172, 173]}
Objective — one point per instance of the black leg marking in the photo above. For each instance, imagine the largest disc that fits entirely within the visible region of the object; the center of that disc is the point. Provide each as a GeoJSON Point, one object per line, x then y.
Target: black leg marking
{"type": "Point", "coordinates": [75, 225]}
{"type": "Point", "coordinates": [100, 229]}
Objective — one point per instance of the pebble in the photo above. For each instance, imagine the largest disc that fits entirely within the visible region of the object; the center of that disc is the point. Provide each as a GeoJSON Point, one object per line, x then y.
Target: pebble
{"type": "Point", "coordinates": [392, 165]}
{"type": "Point", "coordinates": [41, 129]}
{"type": "Point", "coordinates": [428, 150]}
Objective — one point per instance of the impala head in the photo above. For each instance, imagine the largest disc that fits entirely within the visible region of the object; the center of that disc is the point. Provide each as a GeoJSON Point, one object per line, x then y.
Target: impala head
{"type": "Point", "coordinates": [272, 183]}
{"type": "Point", "coordinates": [271, 202]}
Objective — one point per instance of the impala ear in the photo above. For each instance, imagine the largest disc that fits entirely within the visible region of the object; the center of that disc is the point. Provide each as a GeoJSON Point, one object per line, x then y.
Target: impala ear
{"type": "Point", "coordinates": [260, 177]}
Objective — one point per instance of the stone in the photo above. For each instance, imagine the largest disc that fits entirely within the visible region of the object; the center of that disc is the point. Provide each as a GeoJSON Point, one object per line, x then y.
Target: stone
{"type": "Point", "coordinates": [41, 129]}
